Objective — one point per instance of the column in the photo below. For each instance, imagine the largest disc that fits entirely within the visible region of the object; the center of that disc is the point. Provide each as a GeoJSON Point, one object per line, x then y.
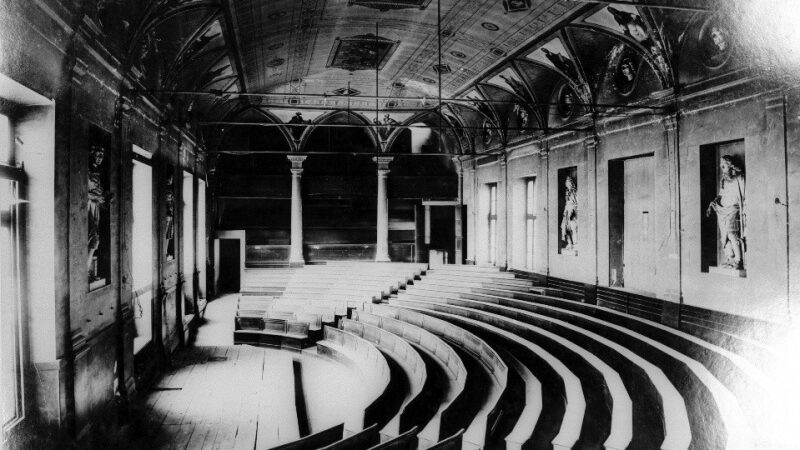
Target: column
{"type": "Point", "coordinates": [459, 256]}
{"type": "Point", "coordinates": [544, 199]}
{"type": "Point", "coordinates": [296, 250]}
{"type": "Point", "coordinates": [590, 158]}
{"type": "Point", "coordinates": [382, 243]}
{"type": "Point", "coordinates": [502, 211]}
{"type": "Point", "coordinates": [590, 153]}
{"type": "Point", "coordinates": [473, 213]}
{"type": "Point", "coordinates": [667, 223]}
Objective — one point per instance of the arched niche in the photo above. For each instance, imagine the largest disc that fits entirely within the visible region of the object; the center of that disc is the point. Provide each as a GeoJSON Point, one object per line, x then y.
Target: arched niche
{"type": "Point", "coordinates": [339, 131]}
{"type": "Point", "coordinates": [255, 137]}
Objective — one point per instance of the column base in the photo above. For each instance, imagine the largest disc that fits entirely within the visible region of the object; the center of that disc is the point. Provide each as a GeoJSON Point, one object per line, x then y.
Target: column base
{"type": "Point", "coordinates": [295, 264]}
{"type": "Point", "coordinates": [382, 259]}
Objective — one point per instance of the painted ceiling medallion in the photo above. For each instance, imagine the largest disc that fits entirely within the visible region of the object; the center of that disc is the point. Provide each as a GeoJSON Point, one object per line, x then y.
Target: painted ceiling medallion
{"type": "Point", "coordinates": [457, 54]}
{"type": "Point", "coordinates": [276, 62]}
{"type": "Point", "coordinates": [442, 68]}
{"type": "Point", "coordinates": [490, 26]}
{"type": "Point", "coordinates": [362, 52]}
{"type": "Point", "coordinates": [429, 80]}
{"type": "Point", "coordinates": [275, 46]}
{"type": "Point", "coordinates": [346, 91]}
{"type": "Point", "coordinates": [276, 15]}
{"type": "Point", "coordinates": [386, 5]}
{"type": "Point", "coordinates": [498, 52]}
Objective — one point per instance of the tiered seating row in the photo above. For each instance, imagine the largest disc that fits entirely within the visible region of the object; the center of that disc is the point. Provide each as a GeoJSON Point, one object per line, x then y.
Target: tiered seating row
{"type": "Point", "coordinates": [350, 349]}
{"type": "Point", "coordinates": [478, 431]}
{"type": "Point", "coordinates": [405, 356]}
{"type": "Point", "coordinates": [273, 302]}
{"type": "Point", "coordinates": [643, 384]}
{"type": "Point", "coordinates": [435, 424]}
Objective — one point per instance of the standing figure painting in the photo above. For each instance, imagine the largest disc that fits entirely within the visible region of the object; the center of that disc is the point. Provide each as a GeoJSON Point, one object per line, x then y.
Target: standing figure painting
{"type": "Point", "coordinates": [169, 203]}
{"type": "Point", "coordinates": [97, 196]}
{"type": "Point", "coordinates": [569, 218]}
{"type": "Point", "coordinates": [729, 208]}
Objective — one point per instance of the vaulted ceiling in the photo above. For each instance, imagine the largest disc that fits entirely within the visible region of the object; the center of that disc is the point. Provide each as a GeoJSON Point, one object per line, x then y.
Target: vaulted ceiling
{"type": "Point", "coordinates": [505, 68]}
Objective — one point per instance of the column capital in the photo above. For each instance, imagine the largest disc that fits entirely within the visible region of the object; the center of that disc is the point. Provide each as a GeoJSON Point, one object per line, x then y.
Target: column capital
{"type": "Point", "coordinates": [297, 161]}
{"type": "Point", "coordinates": [590, 143]}
{"type": "Point", "coordinates": [459, 165]}
{"type": "Point", "coordinates": [774, 102]}
{"type": "Point", "coordinates": [544, 153]}
{"type": "Point", "coordinates": [502, 158]}
{"type": "Point", "coordinates": [670, 122]}
{"type": "Point", "coordinates": [383, 163]}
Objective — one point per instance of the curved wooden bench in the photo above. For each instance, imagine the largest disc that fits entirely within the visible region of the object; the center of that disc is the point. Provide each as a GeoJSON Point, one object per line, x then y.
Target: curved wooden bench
{"type": "Point", "coordinates": [478, 431]}
{"type": "Point", "coordinates": [525, 427]}
{"type": "Point", "coordinates": [450, 363]}
{"type": "Point", "coordinates": [404, 355]}
{"type": "Point", "coordinates": [316, 440]}
{"type": "Point", "coordinates": [609, 419]}
{"type": "Point", "coordinates": [659, 411]}
{"type": "Point", "coordinates": [348, 348]}
{"type": "Point", "coordinates": [406, 441]}
{"type": "Point", "coordinates": [359, 441]}
{"type": "Point", "coordinates": [453, 442]}
{"type": "Point", "coordinates": [564, 394]}
{"type": "Point", "coordinates": [716, 371]}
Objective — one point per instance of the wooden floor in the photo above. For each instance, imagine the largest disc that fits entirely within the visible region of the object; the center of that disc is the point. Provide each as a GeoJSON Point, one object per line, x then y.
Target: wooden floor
{"type": "Point", "coordinates": [221, 396]}
{"type": "Point", "coordinates": [224, 398]}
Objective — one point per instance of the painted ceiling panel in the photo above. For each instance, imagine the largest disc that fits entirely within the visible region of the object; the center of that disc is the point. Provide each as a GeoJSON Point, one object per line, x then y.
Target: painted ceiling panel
{"type": "Point", "coordinates": [285, 40]}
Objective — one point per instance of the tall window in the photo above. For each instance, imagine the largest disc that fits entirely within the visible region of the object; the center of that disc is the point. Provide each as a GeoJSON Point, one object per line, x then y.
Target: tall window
{"type": "Point", "coordinates": [142, 248]}
{"type": "Point", "coordinates": [201, 238]}
{"type": "Point", "coordinates": [493, 223]}
{"type": "Point", "coordinates": [188, 238]}
{"type": "Point", "coordinates": [530, 218]}
{"type": "Point", "coordinates": [11, 366]}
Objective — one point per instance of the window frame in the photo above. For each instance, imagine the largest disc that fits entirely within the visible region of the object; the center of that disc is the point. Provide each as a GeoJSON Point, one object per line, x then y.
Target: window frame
{"type": "Point", "coordinates": [16, 175]}
{"type": "Point", "coordinates": [492, 223]}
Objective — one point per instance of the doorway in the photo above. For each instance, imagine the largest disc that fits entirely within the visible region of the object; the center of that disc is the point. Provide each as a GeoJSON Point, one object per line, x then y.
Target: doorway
{"type": "Point", "coordinates": [229, 266]}
{"type": "Point", "coordinates": [631, 192]}
{"type": "Point", "coordinates": [142, 253]}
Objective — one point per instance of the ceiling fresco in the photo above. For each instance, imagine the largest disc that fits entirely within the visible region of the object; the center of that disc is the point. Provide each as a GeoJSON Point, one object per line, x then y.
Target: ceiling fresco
{"type": "Point", "coordinates": [496, 71]}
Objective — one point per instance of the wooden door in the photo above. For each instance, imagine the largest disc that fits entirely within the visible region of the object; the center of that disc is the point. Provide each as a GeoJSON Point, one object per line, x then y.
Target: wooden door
{"type": "Point", "coordinates": [639, 243]}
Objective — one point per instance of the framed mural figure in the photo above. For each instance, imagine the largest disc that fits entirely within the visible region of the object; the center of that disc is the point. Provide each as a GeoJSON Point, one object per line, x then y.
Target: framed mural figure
{"type": "Point", "coordinates": [568, 205]}
{"type": "Point", "coordinates": [169, 210]}
{"type": "Point", "coordinates": [723, 232]}
{"type": "Point", "coordinates": [98, 199]}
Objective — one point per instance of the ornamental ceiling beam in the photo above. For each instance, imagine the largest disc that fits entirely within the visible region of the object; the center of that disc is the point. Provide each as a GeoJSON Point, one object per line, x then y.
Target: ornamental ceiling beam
{"type": "Point", "coordinates": [431, 102]}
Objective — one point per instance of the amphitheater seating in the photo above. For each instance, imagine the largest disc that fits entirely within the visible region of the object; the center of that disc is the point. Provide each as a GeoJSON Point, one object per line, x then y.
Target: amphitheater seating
{"type": "Point", "coordinates": [358, 441]}
{"type": "Point", "coordinates": [448, 362]}
{"type": "Point", "coordinates": [355, 351]}
{"type": "Point", "coordinates": [314, 294]}
{"type": "Point", "coordinates": [478, 432]}
{"type": "Point", "coordinates": [454, 442]}
{"type": "Point", "coordinates": [405, 441]}
{"type": "Point", "coordinates": [412, 365]}
{"type": "Point", "coordinates": [316, 440]}
{"type": "Point", "coordinates": [643, 384]}
{"type": "Point", "coordinates": [518, 365]}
